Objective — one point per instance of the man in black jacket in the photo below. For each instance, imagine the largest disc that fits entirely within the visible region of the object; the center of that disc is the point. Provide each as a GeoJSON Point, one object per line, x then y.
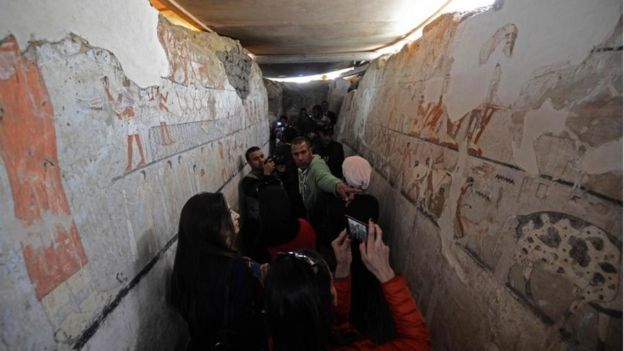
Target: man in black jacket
{"type": "Point", "coordinates": [261, 175]}
{"type": "Point", "coordinates": [330, 150]}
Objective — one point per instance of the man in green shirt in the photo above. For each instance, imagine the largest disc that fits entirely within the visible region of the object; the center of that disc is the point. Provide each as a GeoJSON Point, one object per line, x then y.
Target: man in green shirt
{"type": "Point", "coordinates": [315, 177]}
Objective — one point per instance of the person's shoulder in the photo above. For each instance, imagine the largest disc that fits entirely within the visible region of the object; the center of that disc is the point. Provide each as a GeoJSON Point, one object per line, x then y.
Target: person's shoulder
{"type": "Point", "coordinates": [251, 176]}
{"type": "Point", "coordinates": [317, 163]}
{"type": "Point", "coordinates": [316, 159]}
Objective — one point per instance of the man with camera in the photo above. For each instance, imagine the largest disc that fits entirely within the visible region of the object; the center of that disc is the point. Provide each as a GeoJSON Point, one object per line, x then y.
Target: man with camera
{"type": "Point", "coordinates": [262, 174]}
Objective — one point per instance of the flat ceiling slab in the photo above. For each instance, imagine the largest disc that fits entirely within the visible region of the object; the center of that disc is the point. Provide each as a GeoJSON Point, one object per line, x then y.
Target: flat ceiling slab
{"type": "Point", "coordinates": [283, 31]}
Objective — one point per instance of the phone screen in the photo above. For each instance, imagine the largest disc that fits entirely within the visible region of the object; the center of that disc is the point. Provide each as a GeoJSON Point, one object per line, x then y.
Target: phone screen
{"type": "Point", "coordinates": [357, 229]}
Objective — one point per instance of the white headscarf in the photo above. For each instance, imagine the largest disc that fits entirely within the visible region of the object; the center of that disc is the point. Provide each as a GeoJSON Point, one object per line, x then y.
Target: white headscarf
{"type": "Point", "coordinates": [357, 171]}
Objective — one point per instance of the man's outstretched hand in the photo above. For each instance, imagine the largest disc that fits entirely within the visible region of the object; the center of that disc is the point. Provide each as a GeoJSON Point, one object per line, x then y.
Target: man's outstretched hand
{"type": "Point", "coordinates": [346, 192]}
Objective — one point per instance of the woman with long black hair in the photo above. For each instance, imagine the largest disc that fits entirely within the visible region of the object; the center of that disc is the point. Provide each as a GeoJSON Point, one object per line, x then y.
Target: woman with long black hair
{"type": "Point", "coordinates": [300, 293]}
{"type": "Point", "coordinates": [215, 290]}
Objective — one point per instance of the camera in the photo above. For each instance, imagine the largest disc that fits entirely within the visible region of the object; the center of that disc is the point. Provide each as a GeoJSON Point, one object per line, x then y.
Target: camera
{"type": "Point", "coordinates": [278, 159]}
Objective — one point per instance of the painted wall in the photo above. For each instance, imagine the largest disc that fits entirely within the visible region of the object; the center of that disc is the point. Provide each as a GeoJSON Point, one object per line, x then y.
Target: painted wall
{"type": "Point", "coordinates": [497, 144]}
{"type": "Point", "coordinates": [110, 119]}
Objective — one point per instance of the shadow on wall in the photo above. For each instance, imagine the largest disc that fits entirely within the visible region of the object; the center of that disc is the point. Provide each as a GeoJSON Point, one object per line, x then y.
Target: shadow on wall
{"type": "Point", "coordinates": [156, 327]}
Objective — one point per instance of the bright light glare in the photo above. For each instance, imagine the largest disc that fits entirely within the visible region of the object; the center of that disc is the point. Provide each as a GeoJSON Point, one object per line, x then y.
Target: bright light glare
{"type": "Point", "coordinates": [409, 14]}
{"type": "Point", "coordinates": [451, 6]}
{"type": "Point", "coordinates": [467, 5]}
{"type": "Point", "coordinates": [306, 79]}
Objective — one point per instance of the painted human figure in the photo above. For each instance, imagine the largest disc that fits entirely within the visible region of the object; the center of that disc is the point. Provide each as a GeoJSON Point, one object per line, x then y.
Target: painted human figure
{"type": "Point", "coordinates": [161, 102]}
{"type": "Point", "coordinates": [124, 109]}
{"type": "Point", "coordinates": [507, 34]}
{"type": "Point", "coordinates": [437, 180]}
{"type": "Point", "coordinates": [430, 123]}
{"type": "Point", "coordinates": [478, 119]}
{"type": "Point", "coordinates": [404, 171]}
{"type": "Point", "coordinates": [481, 116]}
{"type": "Point", "coordinates": [177, 52]}
{"type": "Point", "coordinates": [428, 126]}
{"type": "Point", "coordinates": [51, 244]}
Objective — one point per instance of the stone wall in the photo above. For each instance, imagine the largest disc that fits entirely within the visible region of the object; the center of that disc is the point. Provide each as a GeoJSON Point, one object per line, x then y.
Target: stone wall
{"type": "Point", "coordinates": [337, 91]}
{"type": "Point", "coordinates": [100, 147]}
{"type": "Point", "coordinates": [497, 144]}
{"type": "Point", "coordinates": [274, 97]}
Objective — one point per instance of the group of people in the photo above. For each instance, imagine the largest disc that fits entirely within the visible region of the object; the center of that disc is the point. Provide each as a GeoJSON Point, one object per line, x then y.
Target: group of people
{"type": "Point", "coordinates": [306, 123]}
{"type": "Point", "coordinates": [295, 278]}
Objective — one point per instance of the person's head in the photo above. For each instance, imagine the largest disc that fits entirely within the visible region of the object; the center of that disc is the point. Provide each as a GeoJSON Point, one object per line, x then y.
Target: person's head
{"type": "Point", "coordinates": [303, 112]}
{"type": "Point", "coordinates": [255, 158]}
{"type": "Point", "coordinates": [511, 33]}
{"type": "Point", "coordinates": [289, 134]}
{"type": "Point", "coordinates": [301, 152]}
{"type": "Point", "coordinates": [326, 134]}
{"type": "Point", "coordinates": [278, 223]}
{"type": "Point", "coordinates": [207, 221]}
{"type": "Point", "coordinates": [324, 106]}
{"type": "Point", "coordinates": [317, 113]}
{"type": "Point", "coordinates": [298, 295]}
{"type": "Point", "coordinates": [356, 171]}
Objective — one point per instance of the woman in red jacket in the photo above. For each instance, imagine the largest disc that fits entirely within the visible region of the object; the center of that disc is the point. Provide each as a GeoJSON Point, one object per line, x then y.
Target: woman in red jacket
{"type": "Point", "coordinates": [300, 292]}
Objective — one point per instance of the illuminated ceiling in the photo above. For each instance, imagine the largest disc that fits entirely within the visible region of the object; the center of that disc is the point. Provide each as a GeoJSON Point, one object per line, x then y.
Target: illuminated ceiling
{"type": "Point", "coordinates": [290, 37]}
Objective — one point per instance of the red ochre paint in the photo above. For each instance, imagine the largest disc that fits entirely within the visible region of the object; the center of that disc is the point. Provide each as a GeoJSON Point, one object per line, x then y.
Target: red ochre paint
{"type": "Point", "coordinates": [52, 248]}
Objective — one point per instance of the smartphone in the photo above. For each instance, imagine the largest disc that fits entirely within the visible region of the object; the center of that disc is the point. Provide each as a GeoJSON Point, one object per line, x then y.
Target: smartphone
{"type": "Point", "coordinates": [358, 230]}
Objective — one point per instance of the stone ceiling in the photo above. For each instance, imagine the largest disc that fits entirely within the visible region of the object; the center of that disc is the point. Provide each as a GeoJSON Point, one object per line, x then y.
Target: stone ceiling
{"type": "Point", "coordinates": [291, 38]}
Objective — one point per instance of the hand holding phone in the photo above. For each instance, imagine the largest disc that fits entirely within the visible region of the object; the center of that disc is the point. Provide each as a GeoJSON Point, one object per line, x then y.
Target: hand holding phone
{"type": "Point", "coordinates": [376, 255]}
{"type": "Point", "coordinates": [342, 250]}
{"type": "Point", "coordinates": [269, 166]}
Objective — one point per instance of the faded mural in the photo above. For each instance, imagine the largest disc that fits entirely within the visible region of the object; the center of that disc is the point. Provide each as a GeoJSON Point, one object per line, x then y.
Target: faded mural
{"type": "Point", "coordinates": [488, 131]}
{"type": "Point", "coordinates": [50, 240]}
{"type": "Point", "coordinates": [97, 169]}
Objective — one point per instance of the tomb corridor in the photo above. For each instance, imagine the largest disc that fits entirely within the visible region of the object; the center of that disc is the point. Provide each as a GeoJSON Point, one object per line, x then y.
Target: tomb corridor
{"type": "Point", "coordinates": [495, 139]}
